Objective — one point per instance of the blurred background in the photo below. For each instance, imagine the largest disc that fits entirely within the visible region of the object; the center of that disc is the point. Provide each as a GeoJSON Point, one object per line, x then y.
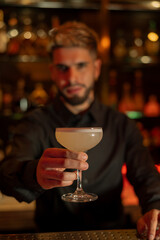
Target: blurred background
{"type": "Point", "coordinates": [129, 32]}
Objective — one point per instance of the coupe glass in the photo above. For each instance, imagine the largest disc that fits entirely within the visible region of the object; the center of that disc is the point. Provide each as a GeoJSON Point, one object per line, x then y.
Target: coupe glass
{"type": "Point", "coordinates": [79, 140]}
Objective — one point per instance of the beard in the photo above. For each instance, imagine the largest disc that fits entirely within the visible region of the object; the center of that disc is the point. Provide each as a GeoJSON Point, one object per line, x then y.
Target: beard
{"type": "Point", "coordinates": [76, 100]}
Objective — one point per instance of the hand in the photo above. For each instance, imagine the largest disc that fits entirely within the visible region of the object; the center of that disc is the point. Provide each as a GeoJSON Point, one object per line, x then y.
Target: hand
{"type": "Point", "coordinates": [50, 169]}
{"type": "Point", "coordinates": [148, 225]}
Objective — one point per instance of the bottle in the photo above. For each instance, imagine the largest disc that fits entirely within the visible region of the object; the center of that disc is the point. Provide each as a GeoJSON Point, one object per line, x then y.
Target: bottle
{"type": "Point", "coordinates": [7, 101]}
{"type": "Point", "coordinates": [138, 94]}
{"type": "Point", "coordinates": [152, 107]}
{"type": "Point", "coordinates": [27, 37]}
{"type": "Point", "coordinates": [38, 96]}
{"type": "Point", "coordinates": [126, 103]}
{"type": "Point", "coordinates": [137, 45]}
{"type": "Point", "coordinates": [120, 50]}
{"type": "Point", "coordinates": [13, 33]}
{"type": "Point", "coordinates": [42, 40]}
{"type": "Point", "coordinates": [1, 97]}
{"type": "Point", "coordinates": [20, 100]}
{"type": "Point", "coordinates": [2, 152]}
{"type": "Point", "coordinates": [53, 91]}
{"type": "Point", "coordinates": [3, 34]}
{"type": "Point", "coordinates": [112, 89]}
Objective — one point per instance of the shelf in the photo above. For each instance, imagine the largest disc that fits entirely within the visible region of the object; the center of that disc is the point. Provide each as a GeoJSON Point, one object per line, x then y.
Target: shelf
{"type": "Point", "coordinates": [127, 62]}
{"type": "Point", "coordinates": [23, 59]}
{"type": "Point", "coordinates": [141, 62]}
{"type": "Point", "coordinates": [113, 5]}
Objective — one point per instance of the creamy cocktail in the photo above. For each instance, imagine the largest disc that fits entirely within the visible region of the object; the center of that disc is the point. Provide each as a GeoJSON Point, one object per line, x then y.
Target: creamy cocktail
{"type": "Point", "coordinates": [79, 139]}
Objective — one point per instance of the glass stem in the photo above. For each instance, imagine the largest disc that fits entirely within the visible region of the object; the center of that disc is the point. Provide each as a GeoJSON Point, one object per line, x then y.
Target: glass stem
{"type": "Point", "coordinates": [79, 181]}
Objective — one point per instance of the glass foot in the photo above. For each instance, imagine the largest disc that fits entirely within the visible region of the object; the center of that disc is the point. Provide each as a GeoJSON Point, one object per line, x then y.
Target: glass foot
{"type": "Point", "coordinates": [79, 197]}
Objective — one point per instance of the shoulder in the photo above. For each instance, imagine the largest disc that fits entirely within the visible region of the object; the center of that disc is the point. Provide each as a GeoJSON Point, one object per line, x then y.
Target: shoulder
{"type": "Point", "coordinates": [111, 113]}
{"type": "Point", "coordinates": [34, 120]}
{"type": "Point", "coordinates": [115, 119]}
{"type": "Point", "coordinates": [38, 114]}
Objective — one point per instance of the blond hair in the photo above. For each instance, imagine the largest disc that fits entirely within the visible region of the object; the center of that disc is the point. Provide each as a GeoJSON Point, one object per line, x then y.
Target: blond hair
{"type": "Point", "coordinates": [74, 34]}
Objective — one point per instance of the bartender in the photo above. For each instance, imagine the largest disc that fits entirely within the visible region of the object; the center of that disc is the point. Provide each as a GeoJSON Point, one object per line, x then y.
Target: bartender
{"type": "Point", "coordinates": [38, 168]}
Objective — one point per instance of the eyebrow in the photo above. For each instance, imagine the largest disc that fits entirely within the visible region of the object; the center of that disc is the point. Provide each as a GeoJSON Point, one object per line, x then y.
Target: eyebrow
{"type": "Point", "coordinates": [75, 64]}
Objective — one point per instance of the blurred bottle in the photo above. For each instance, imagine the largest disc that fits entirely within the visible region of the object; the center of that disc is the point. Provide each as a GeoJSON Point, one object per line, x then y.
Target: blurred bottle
{"type": "Point", "coordinates": [3, 34]}
{"type": "Point", "coordinates": [138, 94]}
{"type": "Point", "coordinates": [126, 102]}
{"type": "Point", "coordinates": [42, 40]}
{"type": "Point", "coordinates": [145, 134]}
{"type": "Point", "coordinates": [120, 50]}
{"type": "Point", "coordinates": [38, 96]}
{"type": "Point", "coordinates": [1, 97]}
{"type": "Point", "coordinates": [152, 44]}
{"type": "Point", "coordinates": [20, 100]}
{"type": "Point", "coordinates": [13, 33]}
{"type": "Point", "coordinates": [7, 101]}
{"type": "Point", "coordinates": [55, 21]}
{"type": "Point", "coordinates": [52, 92]}
{"type": "Point", "coordinates": [27, 37]}
{"type": "Point", "coordinates": [2, 151]}
{"type": "Point", "coordinates": [112, 89]}
{"type": "Point", "coordinates": [137, 45]}
{"type": "Point", "coordinates": [152, 107]}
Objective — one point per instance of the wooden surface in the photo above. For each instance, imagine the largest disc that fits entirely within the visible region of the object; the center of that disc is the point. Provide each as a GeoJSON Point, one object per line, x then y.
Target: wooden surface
{"type": "Point", "coordinates": [83, 235]}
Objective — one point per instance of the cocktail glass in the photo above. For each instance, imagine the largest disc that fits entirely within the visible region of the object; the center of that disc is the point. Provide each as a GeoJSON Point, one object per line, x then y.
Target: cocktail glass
{"type": "Point", "coordinates": [80, 140]}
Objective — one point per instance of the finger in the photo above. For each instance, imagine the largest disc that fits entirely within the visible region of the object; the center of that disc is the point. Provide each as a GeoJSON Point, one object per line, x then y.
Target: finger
{"type": "Point", "coordinates": [64, 153]}
{"type": "Point", "coordinates": [49, 184]}
{"type": "Point", "coordinates": [158, 231]}
{"type": "Point", "coordinates": [153, 225]}
{"type": "Point", "coordinates": [77, 155]}
{"type": "Point", "coordinates": [64, 163]}
{"type": "Point", "coordinates": [59, 175]}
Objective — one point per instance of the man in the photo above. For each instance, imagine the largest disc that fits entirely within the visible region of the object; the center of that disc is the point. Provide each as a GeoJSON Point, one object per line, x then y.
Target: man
{"type": "Point", "coordinates": [38, 168]}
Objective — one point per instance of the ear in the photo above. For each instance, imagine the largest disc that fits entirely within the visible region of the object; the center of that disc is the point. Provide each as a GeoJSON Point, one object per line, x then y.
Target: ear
{"type": "Point", "coordinates": [97, 69]}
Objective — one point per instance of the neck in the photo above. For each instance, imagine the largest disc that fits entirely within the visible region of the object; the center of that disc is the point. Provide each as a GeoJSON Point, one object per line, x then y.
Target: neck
{"type": "Point", "coordinates": [81, 107]}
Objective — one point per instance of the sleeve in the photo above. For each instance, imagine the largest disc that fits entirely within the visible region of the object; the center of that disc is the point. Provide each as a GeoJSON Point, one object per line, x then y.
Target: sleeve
{"type": "Point", "coordinates": [18, 169]}
{"type": "Point", "coordinates": [141, 170]}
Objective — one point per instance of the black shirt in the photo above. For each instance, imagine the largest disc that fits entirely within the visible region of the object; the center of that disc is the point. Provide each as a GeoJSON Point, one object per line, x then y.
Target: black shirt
{"type": "Point", "coordinates": [121, 143]}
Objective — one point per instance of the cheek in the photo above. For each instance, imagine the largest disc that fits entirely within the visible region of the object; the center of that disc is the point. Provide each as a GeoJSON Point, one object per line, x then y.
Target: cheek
{"type": "Point", "coordinates": [61, 83]}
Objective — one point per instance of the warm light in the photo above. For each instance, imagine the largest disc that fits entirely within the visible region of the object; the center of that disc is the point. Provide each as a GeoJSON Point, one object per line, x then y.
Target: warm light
{"type": "Point", "coordinates": [105, 42]}
{"type": "Point", "coordinates": [152, 36]}
{"type": "Point", "coordinates": [155, 4]}
{"type": "Point", "coordinates": [138, 42]}
{"type": "Point", "coordinates": [133, 53]}
{"type": "Point", "coordinates": [13, 33]}
{"type": "Point", "coordinates": [158, 168]}
{"type": "Point", "coordinates": [28, 1]}
{"type": "Point", "coordinates": [124, 169]}
{"type": "Point", "coordinates": [27, 35]}
{"type": "Point", "coordinates": [145, 59]}
{"type": "Point", "coordinates": [23, 104]}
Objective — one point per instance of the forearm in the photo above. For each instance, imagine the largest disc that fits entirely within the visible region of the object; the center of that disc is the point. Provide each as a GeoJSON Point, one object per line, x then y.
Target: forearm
{"type": "Point", "coordinates": [141, 172]}
{"type": "Point", "coordinates": [18, 179]}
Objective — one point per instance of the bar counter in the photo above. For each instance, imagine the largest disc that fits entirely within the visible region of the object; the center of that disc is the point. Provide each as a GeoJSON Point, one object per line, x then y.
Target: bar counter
{"type": "Point", "coordinates": [129, 234]}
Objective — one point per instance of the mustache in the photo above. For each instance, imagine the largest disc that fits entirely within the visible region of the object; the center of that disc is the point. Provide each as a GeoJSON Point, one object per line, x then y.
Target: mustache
{"type": "Point", "coordinates": [74, 85]}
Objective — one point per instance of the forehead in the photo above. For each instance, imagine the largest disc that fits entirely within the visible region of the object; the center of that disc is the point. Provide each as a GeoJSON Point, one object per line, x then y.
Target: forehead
{"type": "Point", "coordinates": [72, 54]}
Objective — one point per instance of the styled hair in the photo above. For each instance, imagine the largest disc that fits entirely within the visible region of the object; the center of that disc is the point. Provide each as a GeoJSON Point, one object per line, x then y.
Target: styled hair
{"type": "Point", "coordinates": [74, 34]}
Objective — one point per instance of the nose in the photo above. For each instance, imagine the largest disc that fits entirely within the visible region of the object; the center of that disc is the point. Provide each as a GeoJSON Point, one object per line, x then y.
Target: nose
{"type": "Point", "coordinates": [72, 75]}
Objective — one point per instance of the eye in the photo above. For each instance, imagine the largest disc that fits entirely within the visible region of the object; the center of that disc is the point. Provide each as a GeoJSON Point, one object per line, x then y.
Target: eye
{"type": "Point", "coordinates": [81, 65]}
{"type": "Point", "coordinates": [62, 67]}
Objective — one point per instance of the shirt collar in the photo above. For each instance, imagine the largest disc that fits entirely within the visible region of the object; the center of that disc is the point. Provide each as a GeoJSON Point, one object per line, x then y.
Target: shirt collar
{"type": "Point", "coordinates": [68, 116]}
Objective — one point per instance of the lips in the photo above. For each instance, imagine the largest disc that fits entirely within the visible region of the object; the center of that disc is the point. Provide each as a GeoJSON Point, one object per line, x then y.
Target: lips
{"type": "Point", "coordinates": [73, 90]}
